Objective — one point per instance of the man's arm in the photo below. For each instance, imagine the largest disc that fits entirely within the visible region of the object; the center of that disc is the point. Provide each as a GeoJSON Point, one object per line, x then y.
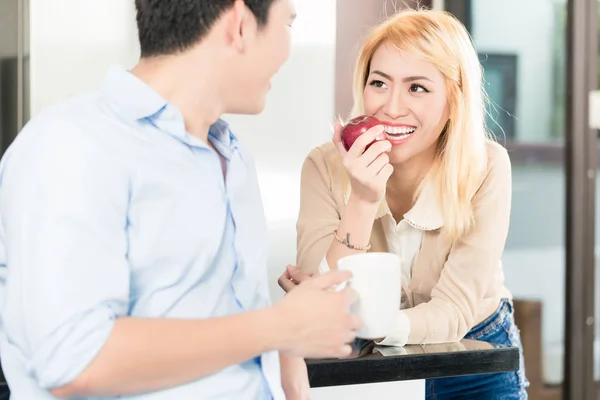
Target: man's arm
{"type": "Point", "coordinates": [144, 355]}
{"type": "Point", "coordinates": [64, 204]}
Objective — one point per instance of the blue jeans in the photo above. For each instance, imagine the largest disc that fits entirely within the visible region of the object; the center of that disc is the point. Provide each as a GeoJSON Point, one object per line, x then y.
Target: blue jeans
{"type": "Point", "coordinates": [498, 329]}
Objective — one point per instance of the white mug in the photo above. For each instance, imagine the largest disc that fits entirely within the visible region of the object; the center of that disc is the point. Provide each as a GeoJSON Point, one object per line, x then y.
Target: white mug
{"type": "Point", "coordinates": [376, 278]}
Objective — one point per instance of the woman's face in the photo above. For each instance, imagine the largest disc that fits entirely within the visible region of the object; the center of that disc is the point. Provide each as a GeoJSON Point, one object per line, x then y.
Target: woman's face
{"type": "Point", "coordinates": [408, 95]}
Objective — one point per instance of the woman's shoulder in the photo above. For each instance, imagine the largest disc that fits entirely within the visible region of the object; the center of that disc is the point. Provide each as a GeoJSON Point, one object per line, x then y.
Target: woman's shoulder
{"type": "Point", "coordinates": [325, 153]}
{"type": "Point", "coordinates": [497, 178]}
{"type": "Point", "coordinates": [496, 153]}
{"type": "Point", "coordinates": [326, 159]}
{"type": "Point", "coordinates": [325, 164]}
{"type": "Point", "coordinates": [498, 160]}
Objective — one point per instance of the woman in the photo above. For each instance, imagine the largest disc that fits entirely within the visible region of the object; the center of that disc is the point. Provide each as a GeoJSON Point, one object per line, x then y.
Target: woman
{"type": "Point", "coordinates": [437, 192]}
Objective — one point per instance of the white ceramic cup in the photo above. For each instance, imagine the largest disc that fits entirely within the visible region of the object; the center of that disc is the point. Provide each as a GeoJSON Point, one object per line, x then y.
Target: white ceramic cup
{"type": "Point", "coordinates": [376, 278]}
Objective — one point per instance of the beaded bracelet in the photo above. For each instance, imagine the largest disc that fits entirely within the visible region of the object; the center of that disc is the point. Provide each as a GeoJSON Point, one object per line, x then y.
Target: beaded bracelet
{"type": "Point", "coordinates": [346, 242]}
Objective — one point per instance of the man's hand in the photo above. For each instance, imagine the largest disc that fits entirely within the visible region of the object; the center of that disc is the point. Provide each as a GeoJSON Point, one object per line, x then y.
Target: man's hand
{"type": "Point", "coordinates": [317, 318]}
{"type": "Point", "coordinates": [292, 277]}
{"type": "Point", "coordinates": [294, 377]}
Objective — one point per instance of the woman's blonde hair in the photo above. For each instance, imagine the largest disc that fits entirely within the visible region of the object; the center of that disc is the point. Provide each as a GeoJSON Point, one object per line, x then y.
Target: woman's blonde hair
{"type": "Point", "coordinates": [461, 163]}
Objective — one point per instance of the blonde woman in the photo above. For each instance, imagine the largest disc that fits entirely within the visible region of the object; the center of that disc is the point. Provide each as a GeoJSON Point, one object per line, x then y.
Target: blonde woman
{"type": "Point", "coordinates": [437, 192]}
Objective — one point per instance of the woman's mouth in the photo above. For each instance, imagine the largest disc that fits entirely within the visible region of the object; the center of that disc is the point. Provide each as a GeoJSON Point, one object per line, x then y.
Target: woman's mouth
{"type": "Point", "coordinates": [397, 134]}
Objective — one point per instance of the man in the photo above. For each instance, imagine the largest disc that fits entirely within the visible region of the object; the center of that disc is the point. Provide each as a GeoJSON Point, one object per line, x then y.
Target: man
{"type": "Point", "coordinates": [134, 235]}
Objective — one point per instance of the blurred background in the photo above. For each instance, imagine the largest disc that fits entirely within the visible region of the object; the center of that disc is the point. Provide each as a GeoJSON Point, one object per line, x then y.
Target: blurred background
{"type": "Point", "coordinates": [540, 72]}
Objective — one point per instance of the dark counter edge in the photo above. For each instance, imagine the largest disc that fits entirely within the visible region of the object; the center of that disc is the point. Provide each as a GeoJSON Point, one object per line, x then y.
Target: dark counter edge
{"type": "Point", "coordinates": [411, 366]}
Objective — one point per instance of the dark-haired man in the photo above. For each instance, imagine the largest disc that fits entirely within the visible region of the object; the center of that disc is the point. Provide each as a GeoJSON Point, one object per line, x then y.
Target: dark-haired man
{"type": "Point", "coordinates": [133, 231]}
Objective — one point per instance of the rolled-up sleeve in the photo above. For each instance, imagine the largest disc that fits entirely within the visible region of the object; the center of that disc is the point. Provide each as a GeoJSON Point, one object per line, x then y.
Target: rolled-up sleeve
{"type": "Point", "coordinates": [64, 202]}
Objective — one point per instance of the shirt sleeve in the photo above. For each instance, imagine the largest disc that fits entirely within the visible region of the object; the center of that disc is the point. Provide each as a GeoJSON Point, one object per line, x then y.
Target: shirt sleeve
{"type": "Point", "coordinates": [399, 335]}
{"type": "Point", "coordinates": [472, 263]}
{"type": "Point", "coordinates": [64, 203]}
{"type": "Point", "coordinates": [318, 217]}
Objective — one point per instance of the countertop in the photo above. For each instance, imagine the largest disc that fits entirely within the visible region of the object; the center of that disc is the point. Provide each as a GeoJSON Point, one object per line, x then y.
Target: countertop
{"type": "Point", "coordinates": [369, 363]}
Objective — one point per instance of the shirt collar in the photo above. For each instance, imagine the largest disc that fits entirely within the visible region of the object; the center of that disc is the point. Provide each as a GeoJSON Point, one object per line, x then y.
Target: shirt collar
{"type": "Point", "coordinates": [224, 140]}
{"type": "Point", "coordinates": [425, 214]}
{"type": "Point", "coordinates": [136, 100]}
{"type": "Point", "coordinates": [133, 98]}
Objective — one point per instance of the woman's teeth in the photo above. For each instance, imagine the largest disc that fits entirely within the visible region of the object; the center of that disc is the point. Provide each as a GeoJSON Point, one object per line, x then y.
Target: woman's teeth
{"type": "Point", "coordinates": [398, 132]}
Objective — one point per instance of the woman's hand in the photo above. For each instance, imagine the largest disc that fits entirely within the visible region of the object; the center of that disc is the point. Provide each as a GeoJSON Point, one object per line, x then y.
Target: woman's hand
{"type": "Point", "coordinates": [292, 277]}
{"type": "Point", "coordinates": [370, 169]}
{"type": "Point", "coordinates": [294, 377]}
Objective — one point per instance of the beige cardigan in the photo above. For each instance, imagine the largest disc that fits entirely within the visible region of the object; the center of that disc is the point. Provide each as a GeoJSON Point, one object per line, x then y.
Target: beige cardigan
{"type": "Point", "coordinates": [453, 286]}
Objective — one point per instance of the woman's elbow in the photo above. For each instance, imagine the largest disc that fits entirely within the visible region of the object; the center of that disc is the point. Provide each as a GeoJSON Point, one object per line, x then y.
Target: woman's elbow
{"type": "Point", "coordinates": [463, 328]}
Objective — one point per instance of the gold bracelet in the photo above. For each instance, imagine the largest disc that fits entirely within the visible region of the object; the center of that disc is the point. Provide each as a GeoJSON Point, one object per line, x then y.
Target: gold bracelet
{"type": "Point", "coordinates": [346, 242]}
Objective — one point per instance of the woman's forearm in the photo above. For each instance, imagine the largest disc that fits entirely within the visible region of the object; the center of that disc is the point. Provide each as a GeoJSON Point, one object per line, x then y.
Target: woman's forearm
{"type": "Point", "coordinates": [355, 226]}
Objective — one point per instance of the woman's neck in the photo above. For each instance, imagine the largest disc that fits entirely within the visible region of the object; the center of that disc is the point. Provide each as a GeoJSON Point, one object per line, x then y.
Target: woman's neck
{"type": "Point", "coordinates": [403, 185]}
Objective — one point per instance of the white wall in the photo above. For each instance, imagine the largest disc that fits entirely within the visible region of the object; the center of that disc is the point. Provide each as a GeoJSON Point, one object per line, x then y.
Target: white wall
{"type": "Point", "coordinates": [73, 42]}
{"type": "Point", "coordinates": [298, 117]}
{"type": "Point", "coordinates": [438, 4]}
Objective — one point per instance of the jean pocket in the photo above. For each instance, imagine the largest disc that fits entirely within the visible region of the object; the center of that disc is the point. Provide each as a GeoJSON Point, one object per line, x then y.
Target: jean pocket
{"type": "Point", "coordinates": [494, 332]}
{"type": "Point", "coordinates": [501, 331]}
{"type": "Point", "coordinates": [490, 327]}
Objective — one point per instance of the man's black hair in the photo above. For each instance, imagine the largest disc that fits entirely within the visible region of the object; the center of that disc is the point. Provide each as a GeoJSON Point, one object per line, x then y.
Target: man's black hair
{"type": "Point", "coordinates": [167, 27]}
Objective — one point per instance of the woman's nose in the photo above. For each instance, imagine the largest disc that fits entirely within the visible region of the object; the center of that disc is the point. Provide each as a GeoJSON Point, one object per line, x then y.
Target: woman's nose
{"type": "Point", "coordinates": [396, 107]}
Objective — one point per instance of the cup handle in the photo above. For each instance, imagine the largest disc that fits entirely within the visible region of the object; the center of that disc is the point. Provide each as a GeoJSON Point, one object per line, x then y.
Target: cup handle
{"type": "Point", "coordinates": [353, 308]}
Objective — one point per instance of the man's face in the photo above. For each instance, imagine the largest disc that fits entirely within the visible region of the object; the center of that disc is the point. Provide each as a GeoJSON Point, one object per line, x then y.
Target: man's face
{"type": "Point", "coordinates": [264, 51]}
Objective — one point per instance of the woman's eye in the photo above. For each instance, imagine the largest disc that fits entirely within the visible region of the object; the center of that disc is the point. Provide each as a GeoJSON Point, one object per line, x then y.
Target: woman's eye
{"type": "Point", "coordinates": [377, 83]}
{"type": "Point", "coordinates": [418, 88]}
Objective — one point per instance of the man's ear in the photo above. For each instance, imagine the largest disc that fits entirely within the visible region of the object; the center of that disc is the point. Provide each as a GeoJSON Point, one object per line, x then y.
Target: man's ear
{"type": "Point", "coordinates": [239, 24]}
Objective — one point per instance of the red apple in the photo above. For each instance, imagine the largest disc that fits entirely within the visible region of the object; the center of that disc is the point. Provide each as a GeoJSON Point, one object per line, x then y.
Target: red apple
{"type": "Point", "coordinates": [356, 127]}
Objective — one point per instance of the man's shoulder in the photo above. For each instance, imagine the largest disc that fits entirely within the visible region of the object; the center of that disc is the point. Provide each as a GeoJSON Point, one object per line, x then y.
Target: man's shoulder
{"type": "Point", "coordinates": [67, 117]}
{"type": "Point", "coordinates": [76, 128]}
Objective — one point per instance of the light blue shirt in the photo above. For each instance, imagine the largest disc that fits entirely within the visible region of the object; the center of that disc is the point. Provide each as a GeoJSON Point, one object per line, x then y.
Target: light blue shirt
{"type": "Point", "coordinates": [109, 208]}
